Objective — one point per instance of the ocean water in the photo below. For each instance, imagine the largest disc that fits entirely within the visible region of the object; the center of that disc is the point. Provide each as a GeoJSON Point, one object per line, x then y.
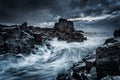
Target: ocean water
{"type": "Point", "coordinates": [44, 63]}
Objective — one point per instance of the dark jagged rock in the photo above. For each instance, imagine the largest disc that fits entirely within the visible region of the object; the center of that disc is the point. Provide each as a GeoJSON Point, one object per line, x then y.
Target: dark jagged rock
{"type": "Point", "coordinates": [106, 62]}
{"type": "Point", "coordinates": [81, 70]}
{"type": "Point", "coordinates": [17, 39]}
{"type": "Point", "coordinates": [116, 33]}
{"type": "Point", "coordinates": [62, 76]}
{"type": "Point", "coordinates": [108, 57]}
{"type": "Point", "coordinates": [64, 26]}
{"type": "Point", "coordinates": [37, 38]}
{"type": "Point", "coordinates": [24, 25]}
{"type": "Point", "coordinates": [110, 40]}
{"type": "Point", "coordinates": [65, 30]}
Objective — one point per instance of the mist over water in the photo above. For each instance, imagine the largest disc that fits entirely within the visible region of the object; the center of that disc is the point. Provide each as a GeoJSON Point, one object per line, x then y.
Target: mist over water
{"type": "Point", "coordinates": [45, 62]}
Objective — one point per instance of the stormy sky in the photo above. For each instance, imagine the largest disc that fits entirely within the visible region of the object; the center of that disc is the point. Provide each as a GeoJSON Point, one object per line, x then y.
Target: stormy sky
{"type": "Point", "coordinates": [36, 11]}
{"type": "Point", "coordinates": [14, 11]}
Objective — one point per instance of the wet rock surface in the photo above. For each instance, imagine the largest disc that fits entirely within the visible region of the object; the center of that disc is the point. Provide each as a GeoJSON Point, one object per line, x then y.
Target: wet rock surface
{"type": "Point", "coordinates": [17, 39]}
{"type": "Point", "coordinates": [105, 63]}
{"type": "Point", "coordinates": [84, 70]}
{"type": "Point", "coordinates": [116, 33]}
{"type": "Point", "coordinates": [108, 57]}
{"type": "Point", "coordinates": [64, 30]}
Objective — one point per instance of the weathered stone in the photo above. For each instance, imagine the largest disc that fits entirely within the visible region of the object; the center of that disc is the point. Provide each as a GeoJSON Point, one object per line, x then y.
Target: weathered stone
{"type": "Point", "coordinates": [81, 70]}
{"type": "Point", "coordinates": [37, 38]}
{"type": "Point", "coordinates": [70, 27]}
{"type": "Point", "coordinates": [62, 76]}
{"type": "Point", "coordinates": [108, 59]}
{"type": "Point", "coordinates": [116, 33]}
{"type": "Point", "coordinates": [110, 40]}
{"type": "Point", "coordinates": [64, 30]}
{"type": "Point", "coordinates": [24, 26]}
{"type": "Point", "coordinates": [64, 26]}
{"type": "Point", "coordinates": [17, 39]}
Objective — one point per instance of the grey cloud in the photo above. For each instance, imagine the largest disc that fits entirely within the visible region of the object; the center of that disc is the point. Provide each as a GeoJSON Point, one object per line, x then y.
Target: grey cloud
{"type": "Point", "coordinates": [34, 11]}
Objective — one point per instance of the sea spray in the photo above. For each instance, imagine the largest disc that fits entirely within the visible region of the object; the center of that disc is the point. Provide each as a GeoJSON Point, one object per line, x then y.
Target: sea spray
{"type": "Point", "coordinates": [45, 62]}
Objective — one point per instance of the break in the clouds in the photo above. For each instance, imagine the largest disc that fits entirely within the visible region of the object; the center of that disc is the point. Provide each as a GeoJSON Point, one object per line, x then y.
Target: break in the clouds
{"type": "Point", "coordinates": [37, 11]}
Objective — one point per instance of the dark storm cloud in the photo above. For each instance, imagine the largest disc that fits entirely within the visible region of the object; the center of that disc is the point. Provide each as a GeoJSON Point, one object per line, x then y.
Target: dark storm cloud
{"type": "Point", "coordinates": [17, 11]}
{"type": "Point", "coordinates": [27, 4]}
{"type": "Point", "coordinates": [13, 9]}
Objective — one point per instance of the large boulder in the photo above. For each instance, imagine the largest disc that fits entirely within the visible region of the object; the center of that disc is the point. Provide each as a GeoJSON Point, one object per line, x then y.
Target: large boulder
{"type": "Point", "coordinates": [108, 60]}
{"type": "Point", "coordinates": [37, 38]}
{"type": "Point", "coordinates": [24, 25]}
{"type": "Point", "coordinates": [64, 30]}
{"type": "Point", "coordinates": [64, 26]}
{"type": "Point", "coordinates": [82, 70]}
{"type": "Point", "coordinates": [116, 33]}
{"type": "Point", "coordinates": [22, 38]}
{"type": "Point", "coordinates": [110, 40]}
{"type": "Point", "coordinates": [108, 57]}
{"type": "Point", "coordinates": [16, 40]}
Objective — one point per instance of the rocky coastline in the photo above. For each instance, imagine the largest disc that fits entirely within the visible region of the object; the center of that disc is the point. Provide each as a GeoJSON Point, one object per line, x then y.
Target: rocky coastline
{"type": "Point", "coordinates": [106, 62]}
{"type": "Point", "coordinates": [22, 38]}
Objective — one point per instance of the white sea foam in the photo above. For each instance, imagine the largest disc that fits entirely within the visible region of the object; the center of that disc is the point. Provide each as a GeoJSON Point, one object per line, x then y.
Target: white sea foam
{"type": "Point", "coordinates": [47, 62]}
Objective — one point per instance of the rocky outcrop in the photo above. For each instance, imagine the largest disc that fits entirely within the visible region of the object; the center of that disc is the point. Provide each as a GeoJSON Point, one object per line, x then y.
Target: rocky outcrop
{"type": "Point", "coordinates": [108, 57]}
{"type": "Point", "coordinates": [116, 33]}
{"type": "Point", "coordinates": [63, 30]}
{"type": "Point", "coordinates": [24, 26]}
{"type": "Point", "coordinates": [81, 71]}
{"type": "Point", "coordinates": [110, 40]}
{"type": "Point", "coordinates": [64, 26]}
{"type": "Point", "coordinates": [106, 62]}
{"type": "Point", "coordinates": [38, 39]}
{"type": "Point", "coordinates": [17, 39]}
